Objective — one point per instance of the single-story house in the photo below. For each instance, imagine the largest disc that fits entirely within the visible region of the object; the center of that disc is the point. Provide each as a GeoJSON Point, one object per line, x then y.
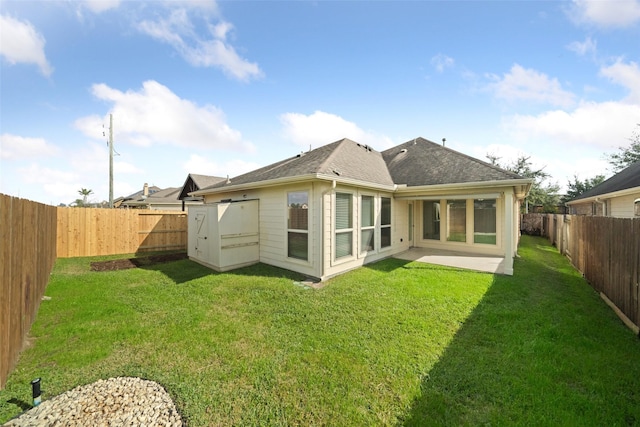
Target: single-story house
{"type": "Point", "coordinates": [618, 196]}
{"type": "Point", "coordinates": [343, 205]}
{"type": "Point", "coordinates": [155, 198]}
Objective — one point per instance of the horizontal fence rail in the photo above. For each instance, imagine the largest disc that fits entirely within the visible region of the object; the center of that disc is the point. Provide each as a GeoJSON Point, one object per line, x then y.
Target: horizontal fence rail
{"type": "Point", "coordinates": [28, 253]}
{"type": "Point", "coordinates": [605, 250]}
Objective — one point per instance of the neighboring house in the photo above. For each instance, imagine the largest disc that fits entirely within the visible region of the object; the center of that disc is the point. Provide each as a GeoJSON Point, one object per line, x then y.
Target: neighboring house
{"type": "Point", "coordinates": [618, 196]}
{"type": "Point", "coordinates": [153, 198]}
{"type": "Point", "coordinates": [344, 205]}
{"type": "Point", "coordinates": [195, 182]}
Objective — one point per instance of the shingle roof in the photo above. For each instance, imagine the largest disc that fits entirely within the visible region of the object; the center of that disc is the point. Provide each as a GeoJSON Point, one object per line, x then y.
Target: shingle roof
{"type": "Point", "coordinates": [344, 158]}
{"type": "Point", "coordinates": [415, 163]}
{"type": "Point", "coordinates": [623, 180]}
{"type": "Point", "coordinates": [138, 194]}
{"type": "Point", "coordinates": [195, 182]}
{"type": "Point", "coordinates": [422, 162]}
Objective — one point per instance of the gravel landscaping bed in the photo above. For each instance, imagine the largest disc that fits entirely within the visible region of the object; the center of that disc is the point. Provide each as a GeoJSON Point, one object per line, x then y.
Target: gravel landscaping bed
{"type": "Point", "coordinates": [122, 401]}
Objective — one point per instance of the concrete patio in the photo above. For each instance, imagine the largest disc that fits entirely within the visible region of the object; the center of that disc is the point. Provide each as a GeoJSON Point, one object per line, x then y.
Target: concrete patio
{"type": "Point", "coordinates": [489, 264]}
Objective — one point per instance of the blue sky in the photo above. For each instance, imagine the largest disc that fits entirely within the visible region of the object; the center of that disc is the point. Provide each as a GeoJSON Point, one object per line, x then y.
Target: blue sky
{"type": "Point", "coordinates": [221, 88]}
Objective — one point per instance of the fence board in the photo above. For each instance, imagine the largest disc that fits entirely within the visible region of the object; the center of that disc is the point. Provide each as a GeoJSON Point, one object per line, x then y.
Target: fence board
{"type": "Point", "coordinates": [94, 232]}
{"type": "Point", "coordinates": [28, 236]}
{"type": "Point", "coordinates": [606, 251]}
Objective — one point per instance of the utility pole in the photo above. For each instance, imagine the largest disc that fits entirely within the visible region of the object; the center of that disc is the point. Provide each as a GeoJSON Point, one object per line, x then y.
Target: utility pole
{"type": "Point", "coordinates": [111, 160]}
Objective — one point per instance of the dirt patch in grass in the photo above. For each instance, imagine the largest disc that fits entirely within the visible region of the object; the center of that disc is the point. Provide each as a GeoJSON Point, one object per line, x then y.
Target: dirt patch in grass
{"type": "Point", "coordinates": [123, 264]}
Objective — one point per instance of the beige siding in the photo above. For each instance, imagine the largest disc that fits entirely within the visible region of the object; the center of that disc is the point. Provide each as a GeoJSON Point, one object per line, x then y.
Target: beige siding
{"type": "Point", "coordinates": [273, 226]}
{"type": "Point", "coordinates": [622, 207]}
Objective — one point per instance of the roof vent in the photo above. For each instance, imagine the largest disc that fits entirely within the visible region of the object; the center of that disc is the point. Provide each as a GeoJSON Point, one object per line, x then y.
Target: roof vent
{"type": "Point", "coordinates": [228, 180]}
{"type": "Point", "coordinates": [336, 171]}
{"type": "Point", "coordinates": [404, 150]}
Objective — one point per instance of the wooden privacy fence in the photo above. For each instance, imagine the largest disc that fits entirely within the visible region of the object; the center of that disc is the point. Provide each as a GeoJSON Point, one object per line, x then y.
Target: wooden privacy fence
{"type": "Point", "coordinates": [28, 236]}
{"type": "Point", "coordinates": [606, 251]}
{"type": "Point", "coordinates": [91, 232]}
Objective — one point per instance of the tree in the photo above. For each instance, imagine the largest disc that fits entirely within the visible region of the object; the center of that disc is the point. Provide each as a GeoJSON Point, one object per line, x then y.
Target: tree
{"type": "Point", "coordinates": [626, 155]}
{"type": "Point", "coordinates": [85, 192]}
{"type": "Point", "coordinates": [577, 187]}
{"type": "Point", "coordinates": [541, 193]}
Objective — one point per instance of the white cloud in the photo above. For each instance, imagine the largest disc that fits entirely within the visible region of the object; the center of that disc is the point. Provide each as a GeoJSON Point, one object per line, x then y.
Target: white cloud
{"type": "Point", "coordinates": [200, 165]}
{"type": "Point", "coordinates": [22, 43]}
{"type": "Point", "coordinates": [626, 75]}
{"type": "Point", "coordinates": [587, 47]}
{"type": "Point", "coordinates": [522, 84]}
{"type": "Point", "coordinates": [157, 115]}
{"type": "Point", "coordinates": [212, 50]}
{"type": "Point", "coordinates": [14, 147]}
{"type": "Point", "coordinates": [618, 13]}
{"type": "Point", "coordinates": [57, 184]}
{"type": "Point", "coordinates": [441, 61]}
{"type": "Point", "coordinates": [321, 128]}
{"type": "Point", "coordinates": [605, 125]}
{"type": "Point", "coordinates": [99, 6]}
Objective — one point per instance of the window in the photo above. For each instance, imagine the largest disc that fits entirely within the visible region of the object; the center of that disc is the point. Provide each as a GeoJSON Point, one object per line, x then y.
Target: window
{"type": "Point", "coordinates": [457, 220]}
{"type": "Point", "coordinates": [298, 225]}
{"type": "Point", "coordinates": [344, 225]}
{"type": "Point", "coordinates": [367, 224]}
{"type": "Point", "coordinates": [431, 220]}
{"type": "Point", "coordinates": [484, 221]}
{"type": "Point", "coordinates": [385, 222]}
{"type": "Point", "coordinates": [636, 207]}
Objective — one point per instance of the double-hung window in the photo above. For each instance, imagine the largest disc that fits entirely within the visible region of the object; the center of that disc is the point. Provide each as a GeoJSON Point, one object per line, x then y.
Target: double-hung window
{"type": "Point", "coordinates": [344, 225]}
{"type": "Point", "coordinates": [367, 224]}
{"type": "Point", "coordinates": [385, 222]}
{"type": "Point", "coordinates": [298, 225]}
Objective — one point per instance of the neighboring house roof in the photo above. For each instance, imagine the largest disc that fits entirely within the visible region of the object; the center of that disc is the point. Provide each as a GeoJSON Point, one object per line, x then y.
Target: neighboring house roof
{"type": "Point", "coordinates": [138, 194]}
{"type": "Point", "coordinates": [418, 162]}
{"type": "Point", "coordinates": [157, 196]}
{"type": "Point", "coordinates": [422, 162]}
{"type": "Point", "coordinates": [626, 179]}
{"type": "Point", "coordinates": [195, 182]}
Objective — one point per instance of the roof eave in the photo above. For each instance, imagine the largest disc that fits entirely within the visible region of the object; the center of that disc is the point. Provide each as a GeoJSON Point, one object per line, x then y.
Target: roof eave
{"type": "Point", "coordinates": [524, 183]}
{"type": "Point", "coordinates": [619, 193]}
{"type": "Point", "coordinates": [291, 180]}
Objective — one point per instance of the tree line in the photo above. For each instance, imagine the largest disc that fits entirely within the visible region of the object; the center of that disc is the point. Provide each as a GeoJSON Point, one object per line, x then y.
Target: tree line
{"type": "Point", "coordinates": [547, 194]}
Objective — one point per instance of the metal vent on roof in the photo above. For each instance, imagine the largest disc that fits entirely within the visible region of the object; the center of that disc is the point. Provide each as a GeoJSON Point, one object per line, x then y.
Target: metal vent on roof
{"type": "Point", "coordinates": [336, 171]}
{"type": "Point", "coordinates": [404, 150]}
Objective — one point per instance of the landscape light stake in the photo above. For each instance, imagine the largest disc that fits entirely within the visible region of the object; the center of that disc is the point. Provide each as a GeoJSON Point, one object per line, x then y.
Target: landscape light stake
{"type": "Point", "coordinates": [35, 390]}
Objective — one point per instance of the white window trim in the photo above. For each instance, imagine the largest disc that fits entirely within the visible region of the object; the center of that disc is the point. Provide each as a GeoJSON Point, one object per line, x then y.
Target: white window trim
{"type": "Point", "coordinates": [352, 230]}
{"type": "Point", "coordinates": [308, 261]}
{"type": "Point", "coordinates": [380, 226]}
{"type": "Point", "coordinates": [376, 208]}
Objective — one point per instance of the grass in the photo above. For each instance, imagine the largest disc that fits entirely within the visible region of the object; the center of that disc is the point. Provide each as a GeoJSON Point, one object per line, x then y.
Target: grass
{"type": "Point", "coordinates": [394, 343]}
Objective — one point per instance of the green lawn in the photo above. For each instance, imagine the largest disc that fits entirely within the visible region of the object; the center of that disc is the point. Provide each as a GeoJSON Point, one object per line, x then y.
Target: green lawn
{"type": "Point", "coordinates": [394, 343]}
